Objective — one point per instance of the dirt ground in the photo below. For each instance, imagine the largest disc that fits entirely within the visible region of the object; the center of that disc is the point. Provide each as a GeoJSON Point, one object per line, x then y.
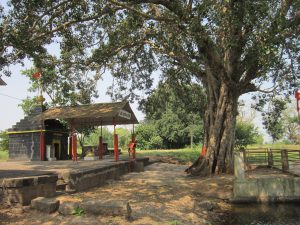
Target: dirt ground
{"type": "Point", "coordinates": [163, 194]}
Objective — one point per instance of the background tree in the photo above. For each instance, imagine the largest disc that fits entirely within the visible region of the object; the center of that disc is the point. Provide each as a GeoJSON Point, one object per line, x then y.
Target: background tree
{"type": "Point", "coordinates": [231, 47]}
{"type": "Point", "coordinates": [174, 115]}
{"type": "Point", "coordinates": [93, 138]}
{"type": "Point", "coordinates": [3, 141]}
{"type": "Point", "coordinates": [291, 124]}
{"type": "Point", "coordinates": [272, 118]}
{"type": "Point", "coordinates": [246, 134]}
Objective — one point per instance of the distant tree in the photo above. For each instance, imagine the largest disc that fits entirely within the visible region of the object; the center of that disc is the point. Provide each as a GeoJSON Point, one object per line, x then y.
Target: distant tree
{"type": "Point", "coordinates": [3, 141]}
{"type": "Point", "coordinates": [93, 138]}
{"type": "Point", "coordinates": [124, 137]}
{"type": "Point", "coordinates": [27, 104]}
{"type": "Point", "coordinates": [145, 132]}
{"type": "Point", "coordinates": [272, 118]}
{"type": "Point", "coordinates": [291, 124]}
{"type": "Point", "coordinates": [176, 110]}
{"type": "Point", "coordinates": [246, 134]}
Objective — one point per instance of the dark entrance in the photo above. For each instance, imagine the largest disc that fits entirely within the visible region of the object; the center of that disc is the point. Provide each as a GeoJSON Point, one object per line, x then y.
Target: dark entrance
{"type": "Point", "coordinates": [57, 150]}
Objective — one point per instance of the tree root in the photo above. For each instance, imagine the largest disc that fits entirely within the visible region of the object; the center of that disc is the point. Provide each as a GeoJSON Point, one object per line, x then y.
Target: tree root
{"type": "Point", "coordinates": [199, 168]}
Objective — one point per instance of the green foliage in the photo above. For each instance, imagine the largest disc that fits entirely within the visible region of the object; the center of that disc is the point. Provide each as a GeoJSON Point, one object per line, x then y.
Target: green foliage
{"type": "Point", "coordinates": [3, 141]}
{"type": "Point", "coordinates": [291, 125]}
{"type": "Point", "coordinates": [144, 133]}
{"type": "Point", "coordinates": [78, 211]}
{"type": "Point", "coordinates": [27, 104]}
{"type": "Point", "coordinates": [174, 114]}
{"type": "Point", "coordinates": [124, 137]}
{"type": "Point", "coordinates": [272, 118]}
{"type": "Point", "coordinates": [246, 134]}
{"type": "Point", "coordinates": [3, 155]}
{"type": "Point", "coordinates": [185, 155]}
{"type": "Point", "coordinates": [93, 138]}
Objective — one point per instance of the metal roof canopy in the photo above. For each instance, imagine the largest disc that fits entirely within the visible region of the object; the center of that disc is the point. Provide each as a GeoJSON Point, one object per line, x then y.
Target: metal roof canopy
{"type": "Point", "coordinates": [92, 114]}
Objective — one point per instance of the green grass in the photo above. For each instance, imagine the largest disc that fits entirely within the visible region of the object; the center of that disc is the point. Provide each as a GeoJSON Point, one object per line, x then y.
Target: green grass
{"type": "Point", "coordinates": [187, 155]}
{"type": "Point", "coordinates": [3, 155]}
{"type": "Point", "coordinates": [184, 155]}
{"type": "Point", "coordinates": [275, 146]}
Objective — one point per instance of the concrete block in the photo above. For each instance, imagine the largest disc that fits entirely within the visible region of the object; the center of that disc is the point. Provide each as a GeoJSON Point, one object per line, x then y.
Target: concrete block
{"type": "Point", "coordinates": [22, 196]}
{"type": "Point", "coordinates": [297, 186]}
{"type": "Point", "coordinates": [18, 182]}
{"type": "Point", "coordinates": [46, 179]}
{"type": "Point", "coordinates": [46, 190]}
{"type": "Point", "coordinates": [288, 187]}
{"type": "Point", "coordinates": [45, 205]}
{"type": "Point", "coordinates": [239, 166]}
{"type": "Point", "coordinates": [245, 188]}
{"type": "Point", "coordinates": [270, 187]}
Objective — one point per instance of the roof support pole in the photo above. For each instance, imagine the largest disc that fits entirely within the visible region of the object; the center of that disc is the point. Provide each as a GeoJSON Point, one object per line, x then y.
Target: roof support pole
{"type": "Point", "coordinates": [42, 145]}
{"type": "Point", "coordinates": [74, 144]}
{"type": "Point", "coordinates": [100, 147]}
{"type": "Point", "coordinates": [70, 146]}
{"type": "Point", "coordinates": [116, 147]}
{"type": "Point", "coordinates": [133, 141]}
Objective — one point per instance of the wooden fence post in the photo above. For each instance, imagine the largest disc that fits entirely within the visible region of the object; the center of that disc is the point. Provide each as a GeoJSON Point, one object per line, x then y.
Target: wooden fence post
{"type": "Point", "coordinates": [270, 158]}
{"type": "Point", "coordinates": [284, 160]}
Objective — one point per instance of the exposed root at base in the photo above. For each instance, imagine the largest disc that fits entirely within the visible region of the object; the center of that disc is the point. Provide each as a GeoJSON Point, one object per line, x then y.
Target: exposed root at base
{"type": "Point", "coordinates": [199, 168]}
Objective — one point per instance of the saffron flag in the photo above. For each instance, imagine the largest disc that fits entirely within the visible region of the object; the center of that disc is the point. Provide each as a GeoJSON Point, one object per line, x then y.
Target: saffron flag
{"type": "Point", "coordinates": [37, 75]}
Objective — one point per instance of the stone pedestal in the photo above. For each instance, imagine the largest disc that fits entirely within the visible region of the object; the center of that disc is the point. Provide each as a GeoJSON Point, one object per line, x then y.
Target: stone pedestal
{"type": "Point", "coordinates": [239, 166]}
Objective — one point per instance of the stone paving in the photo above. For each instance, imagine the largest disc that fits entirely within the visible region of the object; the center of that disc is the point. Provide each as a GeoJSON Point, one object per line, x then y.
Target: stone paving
{"type": "Point", "coordinates": [13, 169]}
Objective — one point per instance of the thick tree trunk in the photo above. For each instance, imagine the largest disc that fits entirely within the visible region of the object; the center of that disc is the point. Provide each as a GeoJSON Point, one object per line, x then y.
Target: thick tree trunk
{"type": "Point", "coordinates": [220, 122]}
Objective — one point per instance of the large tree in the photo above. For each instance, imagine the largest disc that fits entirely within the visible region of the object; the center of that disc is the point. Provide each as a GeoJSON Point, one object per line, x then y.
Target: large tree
{"type": "Point", "coordinates": [232, 47]}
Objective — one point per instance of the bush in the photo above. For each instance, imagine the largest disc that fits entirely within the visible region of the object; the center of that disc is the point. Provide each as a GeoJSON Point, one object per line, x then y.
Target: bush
{"type": "Point", "coordinates": [246, 134]}
{"type": "Point", "coordinates": [156, 142]}
{"type": "Point", "coordinates": [3, 141]}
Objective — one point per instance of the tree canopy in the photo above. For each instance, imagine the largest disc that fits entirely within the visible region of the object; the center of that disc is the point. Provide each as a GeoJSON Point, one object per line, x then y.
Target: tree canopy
{"type": "Point", "coordinates": [231, 47]}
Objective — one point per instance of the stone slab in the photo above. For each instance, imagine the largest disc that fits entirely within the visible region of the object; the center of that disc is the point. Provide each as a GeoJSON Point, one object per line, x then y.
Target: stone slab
{"type": "Point", "coordinates": [107, 208]}
{"type": "Point", "coordinates": [45, 205]}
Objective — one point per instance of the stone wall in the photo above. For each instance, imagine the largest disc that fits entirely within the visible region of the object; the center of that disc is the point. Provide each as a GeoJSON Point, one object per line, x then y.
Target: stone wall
{"type": "Point", "coordinates": [23, 190]}
{"type": "Point", "coordinates": [24, 146]}
{"type": "Point", "coordinates": [270, 188]}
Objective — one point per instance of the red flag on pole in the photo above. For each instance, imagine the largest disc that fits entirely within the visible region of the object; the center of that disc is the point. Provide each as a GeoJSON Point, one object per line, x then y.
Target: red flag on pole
{"type": "Point", "coordinates": [36, 75]}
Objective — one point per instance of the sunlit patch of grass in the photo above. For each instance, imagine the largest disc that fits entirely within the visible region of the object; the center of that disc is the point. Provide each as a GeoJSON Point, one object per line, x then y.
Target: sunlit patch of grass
{"type": "Point", "coordinates": [184, 155]}
{"type": "Point", "coordinates": [3, 155]}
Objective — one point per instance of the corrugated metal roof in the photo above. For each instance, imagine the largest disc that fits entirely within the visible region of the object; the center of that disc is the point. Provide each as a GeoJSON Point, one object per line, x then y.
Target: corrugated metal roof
{"type": "Point", "coordinates": [92, 114]}
{"type": "Point", "coordinates": [2, 82]}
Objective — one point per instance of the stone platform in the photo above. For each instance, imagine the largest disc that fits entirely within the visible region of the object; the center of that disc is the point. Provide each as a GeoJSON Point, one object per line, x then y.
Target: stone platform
{"type": "Point", "coordinates": [43, 178]}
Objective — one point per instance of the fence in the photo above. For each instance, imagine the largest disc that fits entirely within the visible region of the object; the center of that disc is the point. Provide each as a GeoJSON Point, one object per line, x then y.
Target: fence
{"type": "Point", "coordinates": [285, 159]}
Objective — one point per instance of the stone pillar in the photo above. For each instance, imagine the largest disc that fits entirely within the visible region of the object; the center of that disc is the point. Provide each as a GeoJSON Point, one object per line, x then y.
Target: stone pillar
{"type": "Point", "coordinates": [239, 166]}
{"type": "Point", "coordinates": [284, 160]}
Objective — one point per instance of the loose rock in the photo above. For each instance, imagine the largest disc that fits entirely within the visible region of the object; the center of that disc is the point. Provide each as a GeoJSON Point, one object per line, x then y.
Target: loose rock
{"type": "Point", "coordinates": [45, 205]}
{"type": "Point", "coordinates": [108, 208]}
